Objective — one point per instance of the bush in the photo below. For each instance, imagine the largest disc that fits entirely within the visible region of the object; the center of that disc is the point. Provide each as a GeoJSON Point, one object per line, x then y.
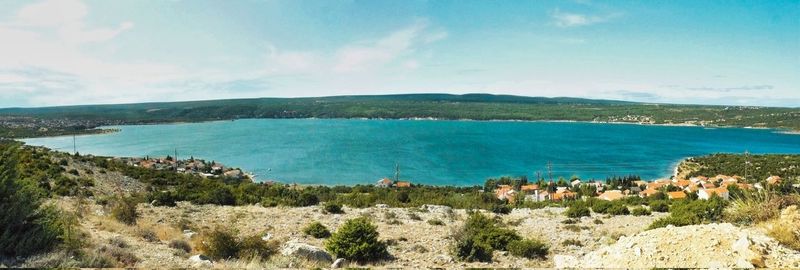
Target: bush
{"type": "Point", "coordinates": [333, 208]}
{"type": "Point", "coordinates": [316, 230]}
{"type": "Point", "coordinates": [659, 206]}
{"type": "Point", "coordinates": [148, 235]}
{"type": "Point", "coordinates": [220, 244]}
{"type": "Point", "coordinates": [528, 248]}
{"type": "Point", "coordinates": [598, 221]}
{"type": "Point", "coordinates": [436, 222]}
{"type": "Point", "coordinates": [572, 242]}
{"type": "Point", "coordinates": [414, 216]}
{"type": "Point", "coordinates": [163, 198]}
{"type": "Point", "coordinates": [304, 199]}
{"type": "Point", "coordinates": [253, 247]}
{"type": "Point", "coordinates": [687, 212]}
{"type": "Point", "coordinates": [640, 211]}
{"type": "Point", "coordinates": [180, 245]}
{"type": "Point", "coordinates": [125, 211]}
{"type": "Point", "coordinates": [357, 240]}
{"type": "Point", "coordinates": [501, 209]}
{"type": "Point", "coordinates": [479, 236]}
{"type": "Point", "coordinates": [73, 172]}
{"type": "Point", "coordinates": [601, 206]}
{"type": "Point", "coordinates": [618, 209]}
{"type": "Point", "coordinates": [577, 211]}
{"type": "Point", "coordinates": [470, 250]}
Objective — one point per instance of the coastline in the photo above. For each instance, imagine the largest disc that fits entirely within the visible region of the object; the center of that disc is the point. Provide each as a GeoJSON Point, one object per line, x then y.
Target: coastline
{"type": "Point", "coordinates": [113, 128]}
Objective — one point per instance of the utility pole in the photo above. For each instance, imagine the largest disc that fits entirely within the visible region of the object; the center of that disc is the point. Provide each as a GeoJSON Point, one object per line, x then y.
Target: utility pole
{"type": "Point", "coordinates": [746, 164]}
{"type": "Point", "coordinates": [538, 175]}
{"type": "Point", "coordinates": [550, 170]}
{"type": "Point", "coordinates": [396, 172]}
{"type": "Point", "coordinates": [74, 145]}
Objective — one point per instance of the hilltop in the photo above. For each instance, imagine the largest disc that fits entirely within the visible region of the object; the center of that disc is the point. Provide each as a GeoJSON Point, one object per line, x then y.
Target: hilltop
{"type": "Point", "coordinates": [47, 121]}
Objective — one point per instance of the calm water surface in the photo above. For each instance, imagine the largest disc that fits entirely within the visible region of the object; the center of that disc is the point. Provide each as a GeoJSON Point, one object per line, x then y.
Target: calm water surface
{"type": "Point", "coordinates": [316, 151]}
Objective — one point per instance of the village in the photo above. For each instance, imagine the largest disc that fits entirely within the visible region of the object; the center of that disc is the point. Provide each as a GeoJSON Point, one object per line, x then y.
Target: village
{"type": "Point", "coordinates": [702, 187]}
{"type": "Point", "coordinates": [189, 166]}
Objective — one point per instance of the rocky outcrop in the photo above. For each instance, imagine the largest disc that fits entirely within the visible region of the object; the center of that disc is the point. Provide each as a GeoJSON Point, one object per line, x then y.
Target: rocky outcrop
{"type": "Point", "coordinates": [311, 253]}
{"type": "Point", "coordinates": [697, 246]}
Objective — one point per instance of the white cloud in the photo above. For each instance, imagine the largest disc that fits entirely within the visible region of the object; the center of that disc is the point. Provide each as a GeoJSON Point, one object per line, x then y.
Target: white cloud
{"type": "Point", "coordinates": [366, 56]}
{"type": "Point", "coordinates": [568, 19]}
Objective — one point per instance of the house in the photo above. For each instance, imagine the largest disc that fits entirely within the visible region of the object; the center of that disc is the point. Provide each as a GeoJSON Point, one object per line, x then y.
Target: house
{"type": "Point", "coordinates": [698, 179]}
{"type": "Point", "coordinates": [563, 193]}
{"type": "Point", "coordinates": [402, 184]}
{"type": "Point", "coordinates": [682, 183]}
{"type": "Point", "coordinates": [384, 183]}
{"type": "Point", "coordinates": [611, 195]}
{"type": "Point", "coordinates": [709, 185]}
{"type": "Point", "coordinates": [676, 195]}
{"type": "Point", "coordinates": [774, 180]}
{"type": "Point", "coordinates": [538, 196]}
{"type": "Point", "coordinates": [505, 192]}
{"type": "Point", "coordinates": [575, 183]}
{"type": "Point", "coordinates": [529, 188]}
{"type": "Point", "coordinates": [234, 174]}
{"type": "Point", "coordinates": [648, 193]}
{"type": "Point", "coordinates": [705, 194]}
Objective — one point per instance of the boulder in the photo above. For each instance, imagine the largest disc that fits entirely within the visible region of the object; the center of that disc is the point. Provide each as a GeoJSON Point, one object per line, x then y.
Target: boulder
{"type": "Point", "coordinates": [295, 248]}
{"type": "Point", "coordinates": [200, 260]}
{"type": "Point", "coordinates": [338, 263]}
{"type": "Point", "coordinates": [440, 209]}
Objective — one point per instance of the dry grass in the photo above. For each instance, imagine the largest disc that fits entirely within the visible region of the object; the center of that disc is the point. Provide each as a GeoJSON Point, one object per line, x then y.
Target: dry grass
{"type": "Point", "coordinates": [756, 207]}
{"type": "Point", "coordinates": [786, 228]}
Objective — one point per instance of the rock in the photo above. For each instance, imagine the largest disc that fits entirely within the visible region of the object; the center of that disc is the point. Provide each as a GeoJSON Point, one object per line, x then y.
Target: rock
{"type": "Point", "coordinates": [742, 263]}
{"type": "Point", "coordinates": [188, 233]}
{"type": "Point", "coordinates": [338, 263]}
{"type": "Point", "coordinates": [381, 206]}
{"type": "Point", "coordinates": [742, 246]}
{"type": "Point", "coordinates": [266, 237]}
{"type": "Point", "coordinates": [296, 249]}
{"type": "Point", "coordinates": [200, 260]}
{"type": "Point", "coordinates": [442, 259]}
{"type": "Point", "coordinates": [565, 261]}
{"type": "Point", "coordinates": [758, 261]}
{"type": "Point", "coordinates": [440, 209]}
{"type": "Point", "coordinates": [638, 251]}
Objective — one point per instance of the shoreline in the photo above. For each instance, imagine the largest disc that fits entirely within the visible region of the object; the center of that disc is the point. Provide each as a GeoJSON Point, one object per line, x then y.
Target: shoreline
{"type": "Point", "coordinates": [115, 128]}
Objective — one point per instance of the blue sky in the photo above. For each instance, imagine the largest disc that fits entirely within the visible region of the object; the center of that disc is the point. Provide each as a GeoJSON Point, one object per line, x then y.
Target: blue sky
{"type": "Point", "coordinates": [60, 52]}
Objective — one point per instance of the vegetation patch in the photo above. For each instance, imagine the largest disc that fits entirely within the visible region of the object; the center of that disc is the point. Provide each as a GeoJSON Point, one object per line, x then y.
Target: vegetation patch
{"type": "Point", "coordinates": [316, 230]}
{"type": "Point", "coordinates": [357, 240]}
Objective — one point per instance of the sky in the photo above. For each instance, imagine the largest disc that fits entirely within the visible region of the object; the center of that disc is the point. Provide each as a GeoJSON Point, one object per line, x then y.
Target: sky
{"type": "Point", "coordinates": [68, 52]}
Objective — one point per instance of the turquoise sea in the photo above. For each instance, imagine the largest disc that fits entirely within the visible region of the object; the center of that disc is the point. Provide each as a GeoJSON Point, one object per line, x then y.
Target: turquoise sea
{"type": "Point", "coordinates": [339, 151]}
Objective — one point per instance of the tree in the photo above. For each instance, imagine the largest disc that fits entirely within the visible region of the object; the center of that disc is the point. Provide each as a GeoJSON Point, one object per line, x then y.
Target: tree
{"type": "Point", "coordinates": [26, 228]}
{"type": "Point", "coordinates": [357, 240]}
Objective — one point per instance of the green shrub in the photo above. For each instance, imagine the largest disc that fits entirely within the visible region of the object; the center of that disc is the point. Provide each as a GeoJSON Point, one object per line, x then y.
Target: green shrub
{"type": "Point", "coordinates": [436, 222]}
{"type": "Point", "coordinates": [484, 235]}
{"type": "Point", "coordinates": [357, 240]}
{"type": "Point", "coordinates": [618, 209]}
{"type": "Point", "coordinates": [470, 250]}
{"type": "Point", "coordinates": [162, 198]}
{"type": "Point", "coordinates": [414, 216]}
{"type": "Point", "coordinates": [253, 247]}
{"type": "Point", "coordinates": [73, 172]}
{"type": "Point", "coordinates": [690, 212]}
{"type": "Point", "coordinates": [304, 199]}
{"type": "Point", "coordinates": [148, 235]}
{"type": "Point", "coordinates": [577, 211]}
{"type": "Point", "coordinates": [316, 230]}
{"type": "Point", "coordinates": [601, 206]}
{"type": "Point", "coordinates": [125, 210]}
{"type": "Point", "coordinates": [598, 221]}
{"type": "Point", "coordinates": [501, 209]}
{"type": "Point", "coordinates": [659, 206]}
{"type": "Point", "coordinates": [528, 248]}
{"type": "Point", "coordinates": [640, 211]}
{"type": "Point", "coordinates": [220, 244]}
{"type": "Point", "coordinates": [333, 208]}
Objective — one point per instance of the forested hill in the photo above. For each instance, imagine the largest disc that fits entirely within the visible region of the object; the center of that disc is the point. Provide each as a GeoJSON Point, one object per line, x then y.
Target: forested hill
{"type": "Point", "coordinates": [440, 106]}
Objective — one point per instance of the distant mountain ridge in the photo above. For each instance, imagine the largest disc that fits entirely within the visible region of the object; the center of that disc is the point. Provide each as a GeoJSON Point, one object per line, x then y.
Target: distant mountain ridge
{"type": "Point", "coordinates": [401, 106]}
